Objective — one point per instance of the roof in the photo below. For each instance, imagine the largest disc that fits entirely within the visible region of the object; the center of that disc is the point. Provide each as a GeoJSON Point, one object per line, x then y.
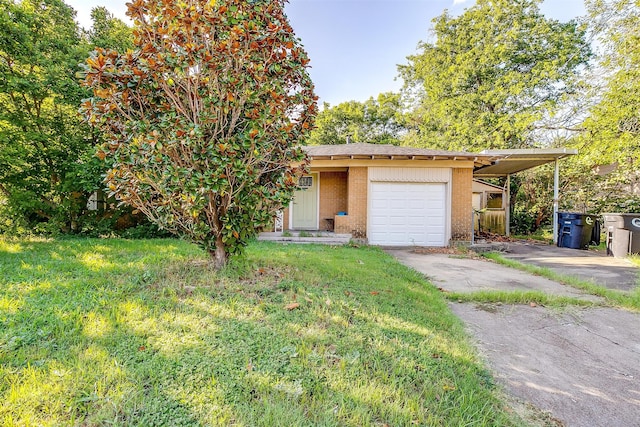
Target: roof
{"type": "Point", "coordinates": [389, 152]}
{"type": "Point", "coordinates": [487, 184]}
{"type": "Point", "coordinates": [507, 162]}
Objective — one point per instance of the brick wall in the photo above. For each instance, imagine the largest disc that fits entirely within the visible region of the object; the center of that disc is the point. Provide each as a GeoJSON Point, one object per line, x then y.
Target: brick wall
{"type": "Point", "coordinates": [357, 206]}
{"type": "Point", "coordinates": [285, 224]}
{"type": "Point", "coordinates": [461, 204]}
{"type": "Point", "coordinates": [333, 196]}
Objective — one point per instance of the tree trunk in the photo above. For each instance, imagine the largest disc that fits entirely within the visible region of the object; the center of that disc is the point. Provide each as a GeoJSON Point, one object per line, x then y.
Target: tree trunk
{"type": "Point", "coordinates": [219, 255]}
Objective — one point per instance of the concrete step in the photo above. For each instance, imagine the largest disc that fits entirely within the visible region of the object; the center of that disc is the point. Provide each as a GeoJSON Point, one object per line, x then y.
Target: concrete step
{"type": "Point", "coordinates": [320, 237]}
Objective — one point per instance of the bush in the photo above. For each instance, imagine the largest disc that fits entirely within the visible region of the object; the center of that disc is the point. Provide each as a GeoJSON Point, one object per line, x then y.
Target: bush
{"type": "Point", "coordinates": [523, 221]}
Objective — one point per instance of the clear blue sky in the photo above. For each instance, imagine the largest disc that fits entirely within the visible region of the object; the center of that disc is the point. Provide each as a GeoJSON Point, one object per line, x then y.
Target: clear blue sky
{"type": "Point", "coordinates": [356, 45]}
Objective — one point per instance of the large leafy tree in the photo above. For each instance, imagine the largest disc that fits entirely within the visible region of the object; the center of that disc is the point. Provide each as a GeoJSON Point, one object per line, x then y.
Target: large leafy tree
{"type": "Point", "coordinates": [609, 165]}
{"type": "Point", "coordinates": [377, 120]}
{"type": "Point", "coordinates": [203, 118]}
{"type": "Point", "coordinates": [107, 31]}
{"type": "Point", "coordinates": [492, 75]}
{"type": "Point", "coordinates": [41, 137]}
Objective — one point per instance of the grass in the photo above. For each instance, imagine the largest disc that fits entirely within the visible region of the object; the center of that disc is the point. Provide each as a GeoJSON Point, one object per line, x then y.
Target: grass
{"type": "Point", "coordinates": [543, 234]}
{"type": "Point", "coordinates": [518, 297]}
{"type": "Point", "coordinates": [96, 332]}
{"type": "Point", "coordinates": [629, 300]}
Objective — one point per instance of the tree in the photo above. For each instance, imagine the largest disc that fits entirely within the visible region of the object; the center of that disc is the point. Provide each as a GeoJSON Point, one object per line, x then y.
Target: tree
{"type": "Point", "coordinates": [202, 119]}
{"type": "Point", "coordinates": [377, 121]}
{"type": "Point", "coordinates": [610, 147]}
{"type": "Point", "coordinates": [41, 138]}
{"type": "Point", "coordinates": [108, 31]}
{"type": "Point", "coordinates": [492, 75]}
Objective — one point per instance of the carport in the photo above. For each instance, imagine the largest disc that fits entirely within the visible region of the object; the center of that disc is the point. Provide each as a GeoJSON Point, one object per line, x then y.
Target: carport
{"type": "Point", "coordinates": [507, 162]}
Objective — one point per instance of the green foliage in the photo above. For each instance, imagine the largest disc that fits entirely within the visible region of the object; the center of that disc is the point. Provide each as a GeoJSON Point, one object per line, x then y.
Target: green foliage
{"type": "Point", "coordinates": [43, 145]}
{"type": "Point", "coordinates": [108, 31]}
{"type": "Point", "coordinates": [110, 331]}
{"type": "Point", "coordinates": [376, 121]}
{"type": "Point", "coordinates": [202, 119]}
{"type": "Point", "coordinates": [492, 75]}
{"type": "Point", "coordinates": [532, 192]}
{"type": "Point", "coordinates": [609, 168]}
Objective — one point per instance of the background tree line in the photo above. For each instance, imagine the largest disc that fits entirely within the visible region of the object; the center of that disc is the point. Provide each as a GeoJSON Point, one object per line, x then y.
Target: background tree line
{"type": "Point", "coordinates": [48, 167]}
{"type": "Point", "coordinates": [502, 75]}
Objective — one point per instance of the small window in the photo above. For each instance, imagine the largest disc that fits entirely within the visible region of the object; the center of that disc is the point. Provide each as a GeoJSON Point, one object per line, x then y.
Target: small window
{"type": "Point", "coordinates": [306, 182]}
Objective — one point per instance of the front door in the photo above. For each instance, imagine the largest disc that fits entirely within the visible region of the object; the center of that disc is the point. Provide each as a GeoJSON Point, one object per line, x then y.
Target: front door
{"type": "Point", "coordinates": [304, 207]}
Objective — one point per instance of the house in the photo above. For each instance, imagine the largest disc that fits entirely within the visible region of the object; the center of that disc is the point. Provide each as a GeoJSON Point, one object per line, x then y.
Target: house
{"type": "Point", "coordinates": [387, 195]}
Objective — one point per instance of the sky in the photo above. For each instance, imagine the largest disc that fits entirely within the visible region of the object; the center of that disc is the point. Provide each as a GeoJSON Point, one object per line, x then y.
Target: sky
{"type": "Point", "coordinates": [355, 46]}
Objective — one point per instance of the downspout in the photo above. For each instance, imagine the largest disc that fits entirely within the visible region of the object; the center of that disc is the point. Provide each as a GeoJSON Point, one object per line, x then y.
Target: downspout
{"type": "Point", "coordinates": [473, 226]}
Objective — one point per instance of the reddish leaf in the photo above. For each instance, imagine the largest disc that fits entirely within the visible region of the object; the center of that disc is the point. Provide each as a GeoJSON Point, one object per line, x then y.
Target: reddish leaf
{"type": "Point", "coordinates": [292, 306]}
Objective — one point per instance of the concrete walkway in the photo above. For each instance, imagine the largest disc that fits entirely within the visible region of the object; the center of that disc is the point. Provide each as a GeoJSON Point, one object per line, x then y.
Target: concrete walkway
{"type": "Point", "coordinates": [581, 366]}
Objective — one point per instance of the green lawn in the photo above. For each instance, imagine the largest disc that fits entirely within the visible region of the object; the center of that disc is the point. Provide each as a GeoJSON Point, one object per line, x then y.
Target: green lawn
{"type": "Point", "coordinates": [117, 332]}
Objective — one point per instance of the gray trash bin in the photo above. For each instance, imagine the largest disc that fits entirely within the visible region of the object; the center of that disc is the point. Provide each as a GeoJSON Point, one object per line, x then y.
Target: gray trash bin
{"type": "Point", "coordinates": [623, 233]}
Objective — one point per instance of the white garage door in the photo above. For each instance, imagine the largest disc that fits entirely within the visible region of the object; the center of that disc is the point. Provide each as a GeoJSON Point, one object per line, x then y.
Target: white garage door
{"type": "Point", "coordinates": [405, 214]}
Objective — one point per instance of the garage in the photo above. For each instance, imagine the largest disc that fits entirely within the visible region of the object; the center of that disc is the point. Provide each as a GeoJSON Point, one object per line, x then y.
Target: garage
{"type": "Point", "coordinates": [408, 214]}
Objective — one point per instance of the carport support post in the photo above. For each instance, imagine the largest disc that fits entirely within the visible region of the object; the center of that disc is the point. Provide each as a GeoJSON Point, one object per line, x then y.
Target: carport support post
{"type": "Point", "coordinates": [556, 180]}
{"type": "Point", "coordinates": [507, 211]}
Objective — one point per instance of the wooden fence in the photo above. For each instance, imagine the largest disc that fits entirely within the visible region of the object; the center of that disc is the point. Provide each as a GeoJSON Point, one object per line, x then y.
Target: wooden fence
{"type": "Point", "coordinates": [490, 220]}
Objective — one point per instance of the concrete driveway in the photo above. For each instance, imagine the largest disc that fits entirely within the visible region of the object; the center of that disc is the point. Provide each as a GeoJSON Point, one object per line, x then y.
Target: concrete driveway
{"type": "Point", "coordinates": [595, 266]}
{"type": "Point", "coordinates": [581, 366]}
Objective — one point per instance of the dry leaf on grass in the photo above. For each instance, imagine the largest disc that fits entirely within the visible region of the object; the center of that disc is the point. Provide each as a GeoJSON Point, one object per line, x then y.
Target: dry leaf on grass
{"type": "Point", "coordinates": [292, 306]}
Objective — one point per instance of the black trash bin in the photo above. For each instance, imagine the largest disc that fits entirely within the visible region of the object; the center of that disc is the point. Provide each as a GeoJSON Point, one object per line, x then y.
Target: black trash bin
{"type": "Point", "coordinates": [596, 233]}
{"type": "Point", "coordinates": [623, 233]}
{"type": "Point", "coordinates": [574, 230]}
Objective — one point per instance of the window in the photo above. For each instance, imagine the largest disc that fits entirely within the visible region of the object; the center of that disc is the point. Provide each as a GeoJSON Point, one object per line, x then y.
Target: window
{"type": "Point", "coordinates": [306, 182]}
{"type": "Point", "coordinates": [494, 200]}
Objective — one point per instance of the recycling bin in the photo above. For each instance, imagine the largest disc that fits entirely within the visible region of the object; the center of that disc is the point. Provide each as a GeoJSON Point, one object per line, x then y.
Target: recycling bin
{"type": "Point", "coordinates": [574, 230]}
{"type": "Point", "coordinates": [623, 233]}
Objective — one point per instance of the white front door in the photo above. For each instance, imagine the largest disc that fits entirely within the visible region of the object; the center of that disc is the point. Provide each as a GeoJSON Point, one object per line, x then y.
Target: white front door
{"type": "Point", "coordinates": [405, 214]}
{"type": "Point", "coordinates": [304, 206]}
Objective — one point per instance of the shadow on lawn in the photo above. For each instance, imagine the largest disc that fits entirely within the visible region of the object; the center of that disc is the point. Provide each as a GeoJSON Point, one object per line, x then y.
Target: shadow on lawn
{"type": "Point", "coordinates": [186, 345]}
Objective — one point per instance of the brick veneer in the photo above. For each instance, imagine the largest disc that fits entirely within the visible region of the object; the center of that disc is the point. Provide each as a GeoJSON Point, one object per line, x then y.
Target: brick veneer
{"type": "Point", "coordinates": [461, 204]}
{"type": "Point", "coordinates": [357, 204]}
{"type": "Point", "coordinates": [333, 196]}
{"type": "Point", "coordinates": [347, 191]}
